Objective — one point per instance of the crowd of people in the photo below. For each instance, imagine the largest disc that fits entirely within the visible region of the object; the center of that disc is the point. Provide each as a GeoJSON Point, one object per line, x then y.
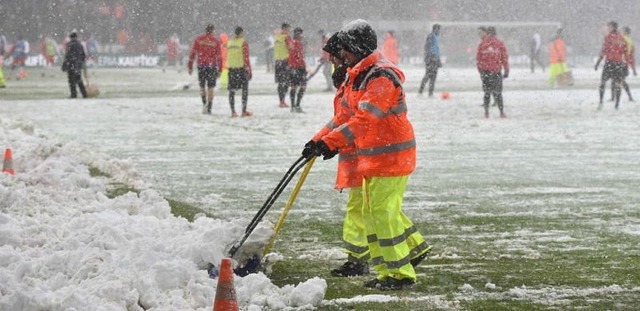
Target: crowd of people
{"type": "Point", "coordinates": [285, 58]}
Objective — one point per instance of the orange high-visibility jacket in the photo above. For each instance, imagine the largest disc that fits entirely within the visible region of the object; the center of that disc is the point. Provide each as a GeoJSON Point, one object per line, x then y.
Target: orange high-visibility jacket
{"type": "Point", "coordinates": [557, 51]}
{"type": "Point", "coordinates": [348, 175]}
{"type": "Point", "coordinates": [390, 49]}
{"type": "Point", "coordinates": [383, 136]}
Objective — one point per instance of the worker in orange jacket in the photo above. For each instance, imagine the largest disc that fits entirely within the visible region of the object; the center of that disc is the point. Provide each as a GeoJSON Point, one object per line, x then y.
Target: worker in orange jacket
{"type": "Point", "coordinates": [385, 146]}
{"type": "Point", "coordinates": [353, 233]}
{"type": "Point", "coordinates": [557, 58]}
{"type": "Point", "coordinates": [390, 48]}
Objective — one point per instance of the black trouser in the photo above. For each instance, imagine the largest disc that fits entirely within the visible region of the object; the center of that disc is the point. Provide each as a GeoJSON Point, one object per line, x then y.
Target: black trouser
{"type": "Point", "coordinates": [282, 78]}
{"type": "Point", "coordinates": [238, 79]}
{"type": "Point", "coordinates": [430, 75]}
{"type": "Point", "coordinates": [492, 85]}
{"type": "Point", "coordinates": [616, 72]}
{"type": "Point", "coordinates": [75, 78]}
{"type": "Point", "coordinates": [535, 58]}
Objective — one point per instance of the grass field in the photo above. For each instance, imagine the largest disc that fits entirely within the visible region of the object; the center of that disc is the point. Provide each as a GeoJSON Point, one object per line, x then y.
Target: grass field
{"type": "Point", "coordinates": [539, 211]}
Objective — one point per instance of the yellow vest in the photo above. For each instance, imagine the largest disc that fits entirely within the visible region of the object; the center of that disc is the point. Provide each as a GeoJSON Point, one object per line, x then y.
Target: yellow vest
{"type": "Point", "coordinates": [280, 48]}
{"type": "Point", "coordinates": [629, 43]}
{"type": "Point", "coordinates": [235, 58]}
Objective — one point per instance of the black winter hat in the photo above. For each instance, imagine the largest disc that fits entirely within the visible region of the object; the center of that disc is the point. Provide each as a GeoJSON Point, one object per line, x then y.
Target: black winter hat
{"type": "Point", "coordinates": [333, 46]}
{"type": "Point", "coordinates": [359, 38]}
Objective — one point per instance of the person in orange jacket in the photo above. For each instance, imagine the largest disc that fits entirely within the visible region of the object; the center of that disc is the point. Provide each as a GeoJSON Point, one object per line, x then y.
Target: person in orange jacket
{"type": "Point", "coordinates": [353, 232]}
{"type": "Point", "coordinates": [557, 58]}
{"type": "Point", "coordinates": [385, 145]}
{"type": "Point", "coordinates": [390, 48]}
{"type": "Point", "coordinates": [207, 49]}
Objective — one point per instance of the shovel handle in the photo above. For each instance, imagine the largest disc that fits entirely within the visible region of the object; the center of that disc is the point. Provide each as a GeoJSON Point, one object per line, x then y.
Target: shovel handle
{"type": "Point", "coordinates": [287, 207]}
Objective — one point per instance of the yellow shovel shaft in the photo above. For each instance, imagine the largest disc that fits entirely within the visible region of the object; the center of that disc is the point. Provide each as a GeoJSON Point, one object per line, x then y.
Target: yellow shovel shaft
{"type": "Point", "coordinates": [287, 207]}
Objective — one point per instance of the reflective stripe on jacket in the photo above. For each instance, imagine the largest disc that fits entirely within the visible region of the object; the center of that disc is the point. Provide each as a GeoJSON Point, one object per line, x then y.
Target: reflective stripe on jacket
{"type": "Point", "coordinates": [382, 134]}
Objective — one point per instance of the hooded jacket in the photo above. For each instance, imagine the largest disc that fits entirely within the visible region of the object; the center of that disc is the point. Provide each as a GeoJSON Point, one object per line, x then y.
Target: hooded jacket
{"type": "Point", "coordinates": [379, 128]}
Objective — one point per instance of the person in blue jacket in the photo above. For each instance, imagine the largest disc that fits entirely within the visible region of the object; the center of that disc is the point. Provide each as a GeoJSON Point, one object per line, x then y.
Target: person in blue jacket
{"type": "Point", "coordinates": [431, 59]}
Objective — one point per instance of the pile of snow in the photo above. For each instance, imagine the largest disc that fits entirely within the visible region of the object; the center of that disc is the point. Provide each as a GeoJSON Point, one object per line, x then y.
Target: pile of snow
{"type": "Point", "coordinates": [64, 245]}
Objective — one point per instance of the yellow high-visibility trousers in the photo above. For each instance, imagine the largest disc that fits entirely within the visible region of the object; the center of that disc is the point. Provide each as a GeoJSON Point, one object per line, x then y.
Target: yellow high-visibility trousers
{"type": "Point", "coordinates": [353, 231]}
{"type": "Point", "coordinates": [554, 70]}
{"type": "Point", "coordinates": [388, 229]}
{"type": "Point", "coordinates": [224, 78]}
{"type": "Point", "coordinates": [2, 81]}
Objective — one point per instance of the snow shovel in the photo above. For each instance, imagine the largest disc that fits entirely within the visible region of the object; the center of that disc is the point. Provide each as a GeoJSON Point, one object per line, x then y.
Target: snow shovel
{"type": "Point", "coordinates": [287, 207]}
{"type": "Point", "coordinates": [254, 262]}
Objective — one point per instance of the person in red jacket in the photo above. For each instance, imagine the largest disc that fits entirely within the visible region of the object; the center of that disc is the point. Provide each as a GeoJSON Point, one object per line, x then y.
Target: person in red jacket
{"type": "Point", "coordinates": [297, 70]}
{"type": "Point", "coordinates": [615, 53]}
{"type": "Point", "coordinates": [207, 49]}
{"type": "Point", "coordinates": [491, 59]}
{"type": "Point", "coordinates": [173, 52]}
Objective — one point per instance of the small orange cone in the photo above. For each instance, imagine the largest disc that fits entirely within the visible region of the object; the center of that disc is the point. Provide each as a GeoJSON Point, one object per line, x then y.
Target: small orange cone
{"type": "Point", "coordinates": [445, 95]}
{"type": "Point", "coordinates": [7, 165]}
{"type": "Point", "coordinates": [225, 292]}
{"type": "Point", "coordinates": [22, 73]}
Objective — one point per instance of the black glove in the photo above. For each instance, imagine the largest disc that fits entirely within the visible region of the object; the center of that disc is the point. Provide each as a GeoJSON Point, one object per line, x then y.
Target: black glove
{"type": "Point", "coordinates": [505, 75]}
{"type": "Point", "coordinates": [309, 150]}
{"type": "Point", "coordinates": [323, 149]}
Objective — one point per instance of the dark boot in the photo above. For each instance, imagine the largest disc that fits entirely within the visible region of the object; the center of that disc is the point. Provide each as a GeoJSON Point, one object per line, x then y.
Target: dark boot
{"type": "Point", "coordinates": [390, 283]}
{"type": "Point", "coordinates": [351, 268]}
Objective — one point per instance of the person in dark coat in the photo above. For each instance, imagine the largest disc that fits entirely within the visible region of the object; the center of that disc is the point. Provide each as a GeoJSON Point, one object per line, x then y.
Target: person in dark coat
{"type": "Point", "coordinates": [73, 63]}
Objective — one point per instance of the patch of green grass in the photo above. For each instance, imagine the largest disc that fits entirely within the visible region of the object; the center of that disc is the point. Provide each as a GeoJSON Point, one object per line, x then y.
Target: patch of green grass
{"type": "Point", "coordinates": [96, 172]}
{"type": "Point", "coordinates": [558, 256]}
{"type": "Point", "coordinates": [178, 208]}
{"type": "Point", "coordinates": [185, 210]}
{"type": "Point", "coordinates": [118, 189]}
{"type": "Point", "coordinates": [502, 305]}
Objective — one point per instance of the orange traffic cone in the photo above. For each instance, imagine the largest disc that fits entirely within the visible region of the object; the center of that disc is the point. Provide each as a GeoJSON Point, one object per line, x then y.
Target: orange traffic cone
{"type": "Point", "coordinates": [225, 292]}
{"type": "Point", "coordinates": [7, 165]}
{"type": "Point", "coordinates": [22, 74]}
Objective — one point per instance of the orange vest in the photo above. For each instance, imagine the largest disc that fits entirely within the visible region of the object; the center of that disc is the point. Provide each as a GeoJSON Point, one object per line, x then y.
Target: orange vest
{"type": "Point", "coordinates": [347, 176]}
{"type": "Point", "coordinates": [383, 136]}
{"type": "Point", "coordinates": [557, 51]}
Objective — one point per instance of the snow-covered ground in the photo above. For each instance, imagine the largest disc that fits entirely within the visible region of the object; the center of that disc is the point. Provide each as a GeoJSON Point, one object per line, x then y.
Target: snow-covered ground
{"type": "Point", "coordinates": [65, 245]}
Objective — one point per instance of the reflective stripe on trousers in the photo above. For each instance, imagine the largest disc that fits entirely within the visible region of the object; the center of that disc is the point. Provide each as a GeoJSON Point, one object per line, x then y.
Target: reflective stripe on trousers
{"type": "Point", "coordinates": [393, 239]}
